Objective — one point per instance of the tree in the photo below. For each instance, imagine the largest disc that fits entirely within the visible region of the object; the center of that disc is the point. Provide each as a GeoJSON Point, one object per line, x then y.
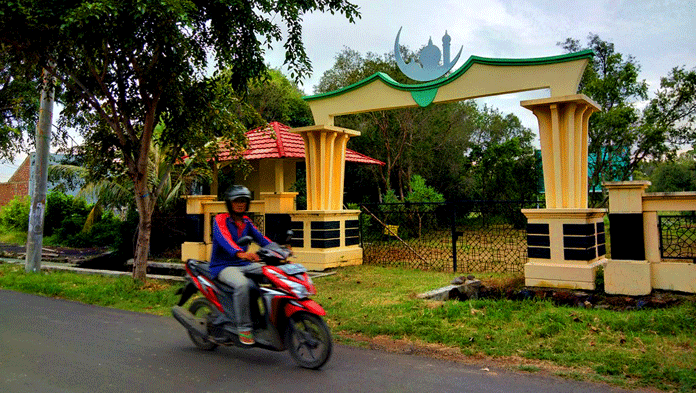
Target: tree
{"type": "Point", "coordinates": [670, 117]}
{"type": "Point", "coordinates": [129, 65]}
{"type": "Point", "coordinates": [503, 165]}
{"type": "Point", "coordinates": [675, 175]}
{"type": "Point", "coordinates": [19, 105]}
{"type": "Point", "coordinates": [422, 193]}
{"type": "Point", "coordinates": [620, 136]}
{"type": "Point", "coordinates": [276, 98]}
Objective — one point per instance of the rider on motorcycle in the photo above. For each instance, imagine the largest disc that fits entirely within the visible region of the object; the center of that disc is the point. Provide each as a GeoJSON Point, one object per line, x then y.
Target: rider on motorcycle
{"type": "Point", "coordinates": [230, 261]}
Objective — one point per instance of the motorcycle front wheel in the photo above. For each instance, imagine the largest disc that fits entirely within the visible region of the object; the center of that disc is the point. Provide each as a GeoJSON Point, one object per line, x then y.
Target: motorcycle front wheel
{"type": "Point", "coordinates": [203, 310]}
{"type": "Point", "coordinates": [308, 339]}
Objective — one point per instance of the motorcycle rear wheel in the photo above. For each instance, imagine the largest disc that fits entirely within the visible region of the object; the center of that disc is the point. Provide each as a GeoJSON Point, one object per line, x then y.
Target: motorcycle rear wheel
{"type": "Point", "coordinates": [203, 309]}
{"type": "Point", "coordinates": [309, 340]}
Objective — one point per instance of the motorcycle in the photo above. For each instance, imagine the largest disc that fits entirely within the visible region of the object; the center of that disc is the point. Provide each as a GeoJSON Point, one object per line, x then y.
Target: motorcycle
{"type": "Point", "coordinates": [282, 314]}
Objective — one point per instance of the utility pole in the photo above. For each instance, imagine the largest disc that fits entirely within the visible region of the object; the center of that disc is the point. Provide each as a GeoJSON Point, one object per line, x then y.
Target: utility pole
{"type": "Point", "coordinates": [40, 177]}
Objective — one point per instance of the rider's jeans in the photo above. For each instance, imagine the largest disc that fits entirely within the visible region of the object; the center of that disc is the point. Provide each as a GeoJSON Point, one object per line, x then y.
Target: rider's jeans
{"type": "Point", "coordinates": [234, 277]}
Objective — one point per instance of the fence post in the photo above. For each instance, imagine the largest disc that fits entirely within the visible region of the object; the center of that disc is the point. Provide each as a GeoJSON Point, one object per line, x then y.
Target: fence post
{"type": "Point", "coordinates": [360, 226]}
{"type": "Point", "coordinates": [454, 237]}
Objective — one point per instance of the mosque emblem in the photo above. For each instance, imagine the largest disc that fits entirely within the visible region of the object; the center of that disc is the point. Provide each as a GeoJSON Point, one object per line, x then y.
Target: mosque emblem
{"type": "Point", "coordinates": [427, 67]}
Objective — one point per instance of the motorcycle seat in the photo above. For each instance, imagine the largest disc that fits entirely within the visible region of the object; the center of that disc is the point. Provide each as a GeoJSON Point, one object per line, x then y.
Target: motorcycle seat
{"type": "Point", "coordinates": [201, 267]}
{"type": "Point", "coordinates": [204, 269]}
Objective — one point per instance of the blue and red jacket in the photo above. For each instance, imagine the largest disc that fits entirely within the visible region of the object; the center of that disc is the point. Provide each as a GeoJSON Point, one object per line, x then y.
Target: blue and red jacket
{"type": "Point", "coordinates": [226, 233]}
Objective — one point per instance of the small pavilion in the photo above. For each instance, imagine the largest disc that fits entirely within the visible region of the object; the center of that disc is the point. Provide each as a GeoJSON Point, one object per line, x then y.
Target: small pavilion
{"type": "Point", "coordinates": [273, 153]}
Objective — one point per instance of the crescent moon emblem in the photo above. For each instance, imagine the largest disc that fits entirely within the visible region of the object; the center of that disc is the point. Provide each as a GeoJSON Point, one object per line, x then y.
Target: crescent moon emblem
{"type": "Point", "coordinates": [416, 71]}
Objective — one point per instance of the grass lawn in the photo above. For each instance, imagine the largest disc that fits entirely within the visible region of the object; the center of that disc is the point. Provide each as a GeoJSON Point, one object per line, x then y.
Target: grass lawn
{"type": "Point", "coordinates": [378, 307]}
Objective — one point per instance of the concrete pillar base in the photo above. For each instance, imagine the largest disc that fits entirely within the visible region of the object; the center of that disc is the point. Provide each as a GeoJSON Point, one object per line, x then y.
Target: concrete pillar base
{"type": "Point", "coordinates": [318, 260]}
{"type": "Point", "coordinates": [564, 247]}
{"type": "Point", "coordinates": [674, 276]}
{"type": "Point", "coordinates": [622, 277]}
{"type": "Point", "coordinates": [326, 239]}
{"type": "Point", "coordinates": [562, 275]}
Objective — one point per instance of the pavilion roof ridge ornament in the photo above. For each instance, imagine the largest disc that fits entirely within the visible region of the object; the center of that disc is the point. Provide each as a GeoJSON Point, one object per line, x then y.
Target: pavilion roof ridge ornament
{"type": "Point", "coordinates": [427, 67]}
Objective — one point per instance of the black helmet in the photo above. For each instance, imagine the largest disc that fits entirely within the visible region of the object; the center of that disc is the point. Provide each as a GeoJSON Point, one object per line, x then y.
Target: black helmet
{"type": "Point", "coordinates": [234, 193]}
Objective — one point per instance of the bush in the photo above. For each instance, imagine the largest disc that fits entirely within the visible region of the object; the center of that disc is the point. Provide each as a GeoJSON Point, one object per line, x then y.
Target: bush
{"type": "Point", "coordinates": [64, 222]}
{"type": "Point", "coordinates": [104, 233]}
{"type": "Point", "coordinates": [70, 226]}
{"type": "Point", "coordinates": [61, 207]}
{"type": "Point", "coordinates": [15, 215]}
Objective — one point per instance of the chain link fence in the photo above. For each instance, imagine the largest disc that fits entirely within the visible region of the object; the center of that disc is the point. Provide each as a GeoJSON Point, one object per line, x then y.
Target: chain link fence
{"type": "Point", "coordinates": [452, 236]}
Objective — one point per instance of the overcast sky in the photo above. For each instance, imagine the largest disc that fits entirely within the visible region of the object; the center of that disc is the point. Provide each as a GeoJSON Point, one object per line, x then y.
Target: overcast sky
{"type": "Point", "coordinates": [660, 34]}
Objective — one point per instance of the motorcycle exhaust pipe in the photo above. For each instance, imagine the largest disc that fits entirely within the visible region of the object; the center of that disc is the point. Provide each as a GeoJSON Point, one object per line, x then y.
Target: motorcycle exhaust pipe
{"type": "Point", "coordinates": [190, 322]}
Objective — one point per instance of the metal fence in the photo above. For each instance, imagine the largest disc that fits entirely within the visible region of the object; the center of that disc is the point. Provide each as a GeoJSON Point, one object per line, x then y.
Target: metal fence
{"type": "Point", "coordinates": [678, 236]}
{"type": "Point", "coordinates": [453, 236]}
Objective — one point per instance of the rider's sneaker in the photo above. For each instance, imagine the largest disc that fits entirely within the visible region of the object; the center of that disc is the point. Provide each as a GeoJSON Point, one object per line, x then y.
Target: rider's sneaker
{"type": "Point", "coordinates": [246, 337]}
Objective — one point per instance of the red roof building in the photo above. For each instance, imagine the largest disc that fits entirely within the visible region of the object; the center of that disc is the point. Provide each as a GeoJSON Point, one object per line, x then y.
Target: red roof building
{"type": "Point", "coordinates": [276, 141]}
{"type": "Point", "coordinates": [273, 154]}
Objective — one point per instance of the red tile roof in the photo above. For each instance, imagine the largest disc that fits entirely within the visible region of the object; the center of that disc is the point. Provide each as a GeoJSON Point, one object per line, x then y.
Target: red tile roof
{"type": "Point", "coordinates": [276, 141]}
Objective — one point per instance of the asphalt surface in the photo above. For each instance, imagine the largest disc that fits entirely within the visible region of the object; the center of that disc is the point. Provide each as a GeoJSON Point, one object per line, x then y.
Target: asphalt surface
{"type": "Point", "coordinates": [53, 345]}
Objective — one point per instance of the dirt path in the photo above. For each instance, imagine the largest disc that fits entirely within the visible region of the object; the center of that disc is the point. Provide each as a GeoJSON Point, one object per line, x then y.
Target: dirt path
{"type": "Point", "coordinates": [56, 254]}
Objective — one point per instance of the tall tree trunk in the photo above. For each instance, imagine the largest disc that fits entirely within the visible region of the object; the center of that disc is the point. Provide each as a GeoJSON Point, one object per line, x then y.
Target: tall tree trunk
{"type": "Point", "coordinates": [142, 248]}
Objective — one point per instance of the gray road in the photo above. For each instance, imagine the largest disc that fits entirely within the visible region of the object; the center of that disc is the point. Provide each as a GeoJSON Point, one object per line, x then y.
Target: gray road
{"type": "Point", "coordinates": [52, 345]}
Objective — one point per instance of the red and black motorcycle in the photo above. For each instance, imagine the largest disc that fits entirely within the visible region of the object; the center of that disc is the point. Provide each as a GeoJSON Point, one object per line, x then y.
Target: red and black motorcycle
{"type": "Point", "coordinates": [283, 315]}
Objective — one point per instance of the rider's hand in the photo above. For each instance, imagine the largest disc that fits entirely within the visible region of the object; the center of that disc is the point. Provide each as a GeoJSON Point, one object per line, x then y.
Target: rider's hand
{"type": "Point", "coordinates": [249, 256]}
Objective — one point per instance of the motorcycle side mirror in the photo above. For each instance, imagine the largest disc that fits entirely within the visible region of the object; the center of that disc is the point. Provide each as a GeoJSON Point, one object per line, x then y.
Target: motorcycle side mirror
{"type": "Point", "coordinates": [245, 241]}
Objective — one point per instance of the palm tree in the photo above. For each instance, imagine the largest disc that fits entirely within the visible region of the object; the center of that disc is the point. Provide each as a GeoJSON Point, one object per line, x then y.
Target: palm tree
{"type": "Point", "coordinates": [171, 181]}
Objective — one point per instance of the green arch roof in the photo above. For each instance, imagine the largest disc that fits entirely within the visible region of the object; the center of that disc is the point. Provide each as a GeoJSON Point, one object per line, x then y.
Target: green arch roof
{"type": "Point", "coordinates": [418, 89]}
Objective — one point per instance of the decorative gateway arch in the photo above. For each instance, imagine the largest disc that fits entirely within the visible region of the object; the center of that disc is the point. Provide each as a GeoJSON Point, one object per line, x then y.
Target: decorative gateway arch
{"type": "Point", "coordinates": [566, 241]}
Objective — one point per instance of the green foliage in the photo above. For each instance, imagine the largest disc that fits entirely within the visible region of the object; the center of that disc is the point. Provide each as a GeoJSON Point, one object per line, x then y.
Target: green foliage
{"type": "Point", "coordinates": [412, 218]}
{"type": "Point", "coordinates": [19, 105]}
{"type": "Point", "coordinates": [670, 117]}
{"type": "Point", "coordinates": [620, 132]}
{"type": "Point", "coordinates": [105, 232]}
{"type": "Point", "coordinates": [505, 170]}
{"type": "Point", "coordinates": [676, 175]}
{"type": "Point", "coordinates": [64, 222]}
{"type": "Point", "coordinates": [300, 187]}
{"type": "Point", "coordinates": [15, 215]}
{"type": "Point", "coordinates": [390, 197]}
{"type": "Point", "coordinates": [276, 98]}
{"type": "Point", "coordinates": [421, 192]}
{"type": "Point", "coordinates": [62, 210]}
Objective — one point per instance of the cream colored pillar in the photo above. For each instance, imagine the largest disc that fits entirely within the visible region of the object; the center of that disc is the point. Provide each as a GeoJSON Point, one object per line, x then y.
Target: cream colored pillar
{"type": "Point", "coordinates": [325, 154]}
{"type": "Point", "coordinates": [563, 123]}
{"type": "Point", "coordinates": [325, 235]}
{"type": "Point", "coordinates": [565, 241]}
